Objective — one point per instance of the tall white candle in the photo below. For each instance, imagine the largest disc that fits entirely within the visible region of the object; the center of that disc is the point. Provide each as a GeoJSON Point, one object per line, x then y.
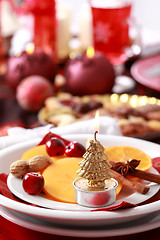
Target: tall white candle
{"type": "Point", "coordinates": [85, 26]}
{"type": "Point", "coordinates": [63, 29]}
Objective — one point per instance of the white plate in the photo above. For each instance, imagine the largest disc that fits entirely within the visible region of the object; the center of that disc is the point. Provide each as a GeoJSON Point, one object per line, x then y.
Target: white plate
{"type": "Point", "coordinates": [15, 186]}
{"type": "Point", "coordinates": [152, 221]}
{"type": "Point", "coordinates": [79, 218]}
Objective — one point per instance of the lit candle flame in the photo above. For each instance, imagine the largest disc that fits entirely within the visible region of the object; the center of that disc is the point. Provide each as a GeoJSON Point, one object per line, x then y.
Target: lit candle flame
{"type": "Point", "coordinates": [30, 48]}
{"type": "Point", "coordinates": [90, 52]}
{"type": "Point", "coordinates": [96, 123]}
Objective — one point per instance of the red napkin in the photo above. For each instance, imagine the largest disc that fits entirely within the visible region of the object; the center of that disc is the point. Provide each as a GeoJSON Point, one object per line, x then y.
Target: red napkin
{"type": "Point", "coordinates": [121, 205]}
{"type": "Point", "coordinates": [4, 190]}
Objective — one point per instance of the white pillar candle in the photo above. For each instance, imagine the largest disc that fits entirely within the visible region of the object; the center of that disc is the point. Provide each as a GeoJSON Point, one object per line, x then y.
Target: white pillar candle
{"type": "Point", "coordinates": [85, 26]}
{"type": "Point", "coordinates": [63, 29]}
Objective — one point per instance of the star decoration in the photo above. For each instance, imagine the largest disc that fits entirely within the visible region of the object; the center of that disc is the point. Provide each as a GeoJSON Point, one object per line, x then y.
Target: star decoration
{"type": "Point", "coordinates": [125, 168]}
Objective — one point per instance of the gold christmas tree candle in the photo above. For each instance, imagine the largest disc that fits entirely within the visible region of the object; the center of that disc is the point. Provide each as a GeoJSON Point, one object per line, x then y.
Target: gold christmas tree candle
{"type": "Point", "coordinates": [94, 166]}
{"type": "Point", "coordinates": [95, 179]}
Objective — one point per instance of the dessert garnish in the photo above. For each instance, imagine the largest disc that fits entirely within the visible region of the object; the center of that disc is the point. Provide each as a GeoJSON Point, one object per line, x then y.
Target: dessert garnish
{"type": "Point", "coordinates": [35, 164]}
{"type": "Point", "coordinates": [129, 168]}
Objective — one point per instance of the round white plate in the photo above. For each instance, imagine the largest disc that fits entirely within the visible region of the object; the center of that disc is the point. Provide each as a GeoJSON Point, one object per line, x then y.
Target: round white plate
{"type": "Point", "coordinates": [79, 218]}
{"type": "Point", "coordinates": [152, 221]}
{"type": "Point", "coordinates": [15, 186]}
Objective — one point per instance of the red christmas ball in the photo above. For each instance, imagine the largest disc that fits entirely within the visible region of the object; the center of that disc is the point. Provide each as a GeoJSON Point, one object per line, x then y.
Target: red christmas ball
{"type": "Point", "coordinates": [32, 92]}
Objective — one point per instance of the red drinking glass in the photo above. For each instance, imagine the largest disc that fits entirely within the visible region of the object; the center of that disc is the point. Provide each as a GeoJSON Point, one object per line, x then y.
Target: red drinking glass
{"type": "Point", "coordinates": [115, 33]}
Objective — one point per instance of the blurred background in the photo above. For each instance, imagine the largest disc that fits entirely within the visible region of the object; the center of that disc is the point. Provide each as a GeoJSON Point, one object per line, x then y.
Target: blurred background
{"type": "Point", "coordinates": [75, 19]}
{"type": "Point", "coordinates": [28, 38]}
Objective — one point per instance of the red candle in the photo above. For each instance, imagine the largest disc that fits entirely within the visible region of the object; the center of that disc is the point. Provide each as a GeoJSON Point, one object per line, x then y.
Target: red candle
{"type": "Point", "coordinates": [33, 62]}
{"type": "Point", "coordinates": [90, 73]}
{"type": "Point", "coordinates": [44, 32]}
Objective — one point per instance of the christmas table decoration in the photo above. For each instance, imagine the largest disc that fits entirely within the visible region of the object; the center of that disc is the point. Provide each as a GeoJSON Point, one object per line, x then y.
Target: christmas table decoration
{"type": "Point", "coordinates": [33, 61]}
{"type": "Point", "coordinates": [89, 73]}
{"type": "Point", "coordinates": [95, 187]}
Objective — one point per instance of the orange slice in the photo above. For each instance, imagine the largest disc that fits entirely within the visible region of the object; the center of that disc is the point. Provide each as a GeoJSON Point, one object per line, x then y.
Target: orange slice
{"type": "Point", "coordinates": [124, 153]}
{"type": "Point", "coordinates": [59, 178]}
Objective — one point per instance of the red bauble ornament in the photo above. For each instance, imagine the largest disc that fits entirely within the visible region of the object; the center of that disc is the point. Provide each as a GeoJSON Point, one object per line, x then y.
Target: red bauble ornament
{"type": "Point", "coordinates": [32, 92]}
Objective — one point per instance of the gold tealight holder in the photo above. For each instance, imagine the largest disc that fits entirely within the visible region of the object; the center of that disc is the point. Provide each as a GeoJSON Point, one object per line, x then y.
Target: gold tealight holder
{"type": "Point", "coordinates": [95, 187]}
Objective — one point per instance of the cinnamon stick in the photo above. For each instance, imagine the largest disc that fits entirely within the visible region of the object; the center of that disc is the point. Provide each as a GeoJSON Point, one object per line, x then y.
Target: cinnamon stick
{"type": "Point", "coordinates": [136, 186]}
{"type": "Point", "coordinates": [145, 175]}
{"type": "Point", "coordinates": [129, 168]}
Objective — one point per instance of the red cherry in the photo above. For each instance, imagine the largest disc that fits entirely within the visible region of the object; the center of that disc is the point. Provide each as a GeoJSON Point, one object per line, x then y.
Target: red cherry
{"type": "Point", "coordinates": [55, 147]}
{"type": "Point", "coordinates": [156, 163]}
{"type": "Point", "coordinates": [75, 149]}
{"type": "Point", "coordinates": [33, 183]}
